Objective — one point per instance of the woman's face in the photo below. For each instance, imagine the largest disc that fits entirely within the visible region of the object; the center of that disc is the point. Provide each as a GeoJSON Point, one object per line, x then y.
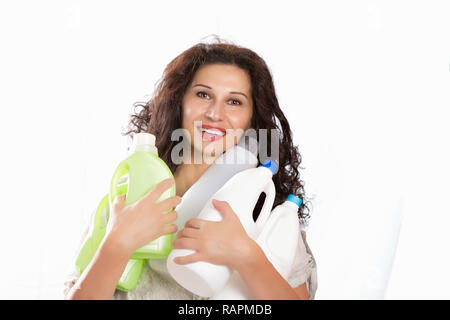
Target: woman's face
{"type": "Point", "coordinates": [217, 108]}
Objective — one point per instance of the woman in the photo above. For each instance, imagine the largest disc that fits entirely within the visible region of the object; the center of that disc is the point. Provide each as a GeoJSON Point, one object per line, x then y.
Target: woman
{"type": "Point", "coordinates": [208, 90]}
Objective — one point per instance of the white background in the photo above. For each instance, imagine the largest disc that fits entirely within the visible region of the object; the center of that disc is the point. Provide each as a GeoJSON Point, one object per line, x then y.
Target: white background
{"type": "Point", "coordinates": [365, 85]}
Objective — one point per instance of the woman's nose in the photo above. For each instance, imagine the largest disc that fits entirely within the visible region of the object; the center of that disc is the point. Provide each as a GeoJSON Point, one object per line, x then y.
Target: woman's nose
{"type": "Point", "coordinates": [214, 112]}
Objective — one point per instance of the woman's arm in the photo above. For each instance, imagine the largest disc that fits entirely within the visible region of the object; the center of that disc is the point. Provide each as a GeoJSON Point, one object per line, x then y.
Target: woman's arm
{"type": "Point", "coordinates": [101, 276]}
{"type": "Point", "coordinates": [129, 228]}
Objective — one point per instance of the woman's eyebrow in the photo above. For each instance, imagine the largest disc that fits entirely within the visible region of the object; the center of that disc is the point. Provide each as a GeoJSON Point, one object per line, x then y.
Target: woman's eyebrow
{"type": "Point", "coordinates": [235, 92]}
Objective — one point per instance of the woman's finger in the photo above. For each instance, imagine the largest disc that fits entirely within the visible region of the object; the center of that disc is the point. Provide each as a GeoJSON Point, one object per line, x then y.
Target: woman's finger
{"type": "Point", "coordinates": [170, 217]}
{"type": "Point", "coordinates": [178, 235]}
{"type": "Point", "coordinates": [169, 203]}
{"type": "Point", "coordinates": [185, 243]}
{"type": "Point", "coordinates": [190, 232]}
{"type": "Point", "coordinates": [119, 200]}
{"type": "Point", "coordinates": [160, 188]}
{"type": "Point", "coordinates": [195, 223]}
{"type": "Point", "coordinates": [224, 208]}
{"type": "Point", "coordinates": [188, 259]}
{"type": "Point", "coordinates": [170, 228]}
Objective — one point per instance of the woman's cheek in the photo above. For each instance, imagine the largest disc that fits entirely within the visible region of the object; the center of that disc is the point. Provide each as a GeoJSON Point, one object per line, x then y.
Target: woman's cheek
{"type": "Point", "coordinates": [241, 116]}
{"type": "Point", "coordinates": [189, 114]}
{"type": "Point", "coordinates": [240, 119]}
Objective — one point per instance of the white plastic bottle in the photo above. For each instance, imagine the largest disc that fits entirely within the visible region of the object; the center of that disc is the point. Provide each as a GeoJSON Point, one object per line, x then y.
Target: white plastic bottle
{"type": "Point", "coordinates": [278, 240]}
{"type": "Point", "coordinates": [237, 158]}
{"type": "Point", "coordinates": [242, 192]}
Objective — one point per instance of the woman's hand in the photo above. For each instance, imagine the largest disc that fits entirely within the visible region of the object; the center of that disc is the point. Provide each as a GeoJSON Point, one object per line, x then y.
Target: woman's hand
{"type": "Point", "coordinates": [132, 226]}
{"type": "Point", "coordinates": [224, 243]}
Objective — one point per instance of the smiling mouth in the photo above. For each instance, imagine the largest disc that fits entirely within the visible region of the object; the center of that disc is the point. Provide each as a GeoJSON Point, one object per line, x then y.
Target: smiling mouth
{"type": "Point", "coordinates": [211, 134]}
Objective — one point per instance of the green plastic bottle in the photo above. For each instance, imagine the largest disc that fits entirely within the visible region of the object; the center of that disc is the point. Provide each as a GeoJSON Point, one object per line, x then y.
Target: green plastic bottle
{"type": "Point", "coordinates": [97, 231]}
{"type": "Point", "coordinates": [144, 170]}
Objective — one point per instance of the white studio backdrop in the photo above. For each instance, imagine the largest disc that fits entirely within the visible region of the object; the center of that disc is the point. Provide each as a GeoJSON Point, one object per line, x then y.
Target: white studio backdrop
{"type": "Point", "coordinates": [365, 85]}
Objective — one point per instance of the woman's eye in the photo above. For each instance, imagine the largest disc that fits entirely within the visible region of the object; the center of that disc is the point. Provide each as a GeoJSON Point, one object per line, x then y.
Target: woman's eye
{"type": "Point", "coordinates": [201, 93]}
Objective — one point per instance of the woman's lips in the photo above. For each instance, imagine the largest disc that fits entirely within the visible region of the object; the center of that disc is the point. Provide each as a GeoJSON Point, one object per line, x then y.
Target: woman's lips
{"type": "Point", "coordinates": [207, 126]}
{"type": "Point", "coordinates": [210, 133]}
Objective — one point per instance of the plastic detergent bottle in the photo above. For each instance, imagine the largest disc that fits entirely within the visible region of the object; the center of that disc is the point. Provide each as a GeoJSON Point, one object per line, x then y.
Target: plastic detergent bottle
{"type": "Point", "coordinates": [278, 240]}
{"type": "Point", "coordinates": [97, 231]}
{"type": "Point", "coordinates": [242, 192]}
{"type": "Point", "coordinates": [144, 170]}
{"type": "Point", "coordinates": [240, 157]}
{"type": "Point", "coordinates": [235, 159]}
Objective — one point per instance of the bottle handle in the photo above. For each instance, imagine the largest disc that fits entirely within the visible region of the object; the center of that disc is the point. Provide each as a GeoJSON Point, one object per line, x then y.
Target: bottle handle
{"type": "Point", "coordinates": [121, 189]}
{"type": "Point", "coordinates": [270, 192]}
{"type": "Point", "coordinates": [121, 170]}
{"type": "Point", "coordinates": [100, 209]}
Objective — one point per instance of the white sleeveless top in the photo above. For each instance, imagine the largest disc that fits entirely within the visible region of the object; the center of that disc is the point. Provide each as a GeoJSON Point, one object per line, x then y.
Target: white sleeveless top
{"type": "Point", "coordinates": [156, 283]}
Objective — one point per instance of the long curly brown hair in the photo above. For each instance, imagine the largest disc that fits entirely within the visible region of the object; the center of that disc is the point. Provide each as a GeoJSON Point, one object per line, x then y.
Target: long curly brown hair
{"type": "Point", "coordinates": [161, 115]}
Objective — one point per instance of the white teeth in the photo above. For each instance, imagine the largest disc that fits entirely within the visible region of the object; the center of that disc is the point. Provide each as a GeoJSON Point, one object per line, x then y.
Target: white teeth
{"type": "Point", "coordinates": [213, 131]}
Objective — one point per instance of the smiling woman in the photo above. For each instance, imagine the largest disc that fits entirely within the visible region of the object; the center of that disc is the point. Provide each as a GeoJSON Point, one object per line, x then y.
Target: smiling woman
{"type": "Point", "coordinates": [207, 77]}
{"type": "Point", "coordinates": [218, 108]}
{"type": "Point", "coordinates": [214, 93]}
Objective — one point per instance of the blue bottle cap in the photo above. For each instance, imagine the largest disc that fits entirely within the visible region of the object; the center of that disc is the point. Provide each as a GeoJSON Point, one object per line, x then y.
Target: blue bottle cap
{"type": "Point", "coordinates": [294, 199]}
{"type": "Point", "coordinates": [271, 165]}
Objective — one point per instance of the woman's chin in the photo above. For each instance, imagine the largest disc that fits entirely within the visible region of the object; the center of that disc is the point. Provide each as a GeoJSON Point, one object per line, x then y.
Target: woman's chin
{"type": "Point", "coordinates": [211, 149]}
